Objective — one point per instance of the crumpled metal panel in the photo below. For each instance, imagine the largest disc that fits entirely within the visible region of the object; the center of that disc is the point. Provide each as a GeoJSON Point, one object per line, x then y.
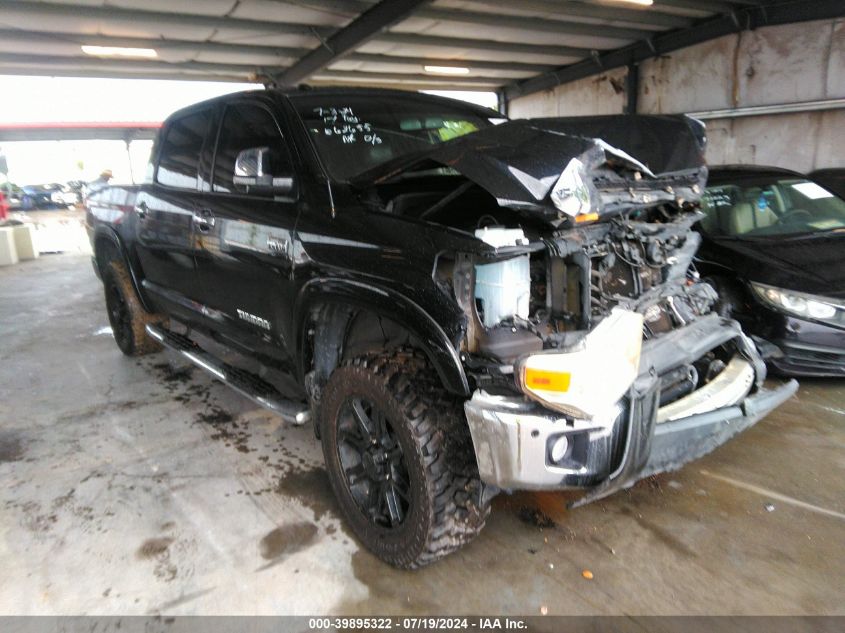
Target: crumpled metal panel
{"type": "Point", "coordinates": [518, 162]}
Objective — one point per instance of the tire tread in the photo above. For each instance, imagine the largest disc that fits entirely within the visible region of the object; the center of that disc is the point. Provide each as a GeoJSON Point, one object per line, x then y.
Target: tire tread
{"type": "Point", "coordinates": [439, 429]}
{"type": "Point", "coordinates": [140, 344]}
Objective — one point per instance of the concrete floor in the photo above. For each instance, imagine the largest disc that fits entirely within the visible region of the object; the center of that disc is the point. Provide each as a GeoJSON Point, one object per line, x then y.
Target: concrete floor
{"type": "Point", "coordinates": [135, 487]}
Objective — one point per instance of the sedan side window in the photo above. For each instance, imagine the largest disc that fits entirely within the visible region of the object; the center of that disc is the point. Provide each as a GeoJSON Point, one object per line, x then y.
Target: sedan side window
{"type": "Point", "coordinates": [252, 157]}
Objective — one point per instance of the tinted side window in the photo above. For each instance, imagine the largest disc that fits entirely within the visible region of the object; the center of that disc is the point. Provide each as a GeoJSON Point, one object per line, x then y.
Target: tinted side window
{"type": "Point", "coordinates": [250, 145]}
{"type": "Point", "coordinates": [180, 152]}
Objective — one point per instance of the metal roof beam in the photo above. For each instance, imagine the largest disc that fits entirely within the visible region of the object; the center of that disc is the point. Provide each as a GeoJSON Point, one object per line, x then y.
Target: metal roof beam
{"type": "Point", "coordinates": [351, 8]}
{"type": "Point", "coordinates": [749, 17]}
{"type": "Point", "coordinates": [365, 26]}
{"type": "Point", "coordinates": [39, 37]}
{"type": "Point", "coordinates": [247, 71]}
{"type": "Point", "coordinates": [10, 7]}
{"type": "Point", "coordinates": [599, 11]}
{"type": "Point", "coordinates": [132, 17]}
{"type": "Point", "coordinates": [50, 62]}
{"type": "Point", "coordinates": [706, 6]}
{"type": "Point", "coordinates": [584, 8]}
{"type": "Point", "coordinates": [405, 85]}
{"type": "Point", "coordinates": [118, 73]}
{"type": "Point", "coordinates": [482, 64]}
{"type": "Point", "coordinates": [531, 24]}
{"type": "Point", "coordinates": [34, 38]}
{"type": "Point", "coordinates": [412, 39]}
{"type": "Point", "coordinates": [430, 80]}
{"type": "Point", "coordinates": [78, 132]}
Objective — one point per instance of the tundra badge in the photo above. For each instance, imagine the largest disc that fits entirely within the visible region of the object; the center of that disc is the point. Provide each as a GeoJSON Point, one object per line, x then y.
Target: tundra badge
{"type": "Point", "coordinates": [251, 318]}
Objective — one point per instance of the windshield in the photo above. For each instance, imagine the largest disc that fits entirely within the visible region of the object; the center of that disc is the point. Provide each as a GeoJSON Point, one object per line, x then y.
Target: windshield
{"type": "Point", "coordinates": [355, 133]}
{"type": "Point", "coordinates": [769, 205]}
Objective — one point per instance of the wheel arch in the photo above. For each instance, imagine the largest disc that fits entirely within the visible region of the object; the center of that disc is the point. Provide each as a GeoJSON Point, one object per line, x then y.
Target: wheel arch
{"type": "Point", "coordinates": [108, 245]}
{"type": "Point", "coordinates": [338, 310]}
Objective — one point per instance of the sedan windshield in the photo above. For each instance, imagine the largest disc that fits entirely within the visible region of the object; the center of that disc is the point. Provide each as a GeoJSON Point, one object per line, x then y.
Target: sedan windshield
{"type": "Point", "coordinates": [355, 133]}
{"type": "Point", "coordinates": [770, 205]}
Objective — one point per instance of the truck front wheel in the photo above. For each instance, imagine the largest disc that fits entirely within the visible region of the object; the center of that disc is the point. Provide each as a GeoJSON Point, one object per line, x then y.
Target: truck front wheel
{"type": "Point", "coordinates": [127, 316]}
{"type": "Point", "coordinates": [400, 459]}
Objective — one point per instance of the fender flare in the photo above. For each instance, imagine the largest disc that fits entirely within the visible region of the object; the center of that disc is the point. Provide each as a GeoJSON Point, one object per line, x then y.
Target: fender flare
{"type": "Point", "coordinates": [390, 304]}
{"type": "Point", "coordinates": [102, 232]}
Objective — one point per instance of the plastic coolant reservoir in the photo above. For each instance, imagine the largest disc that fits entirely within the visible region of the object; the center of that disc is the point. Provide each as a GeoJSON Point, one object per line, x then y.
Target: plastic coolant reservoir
{"type": "Point", "coordinates": [503, 288]}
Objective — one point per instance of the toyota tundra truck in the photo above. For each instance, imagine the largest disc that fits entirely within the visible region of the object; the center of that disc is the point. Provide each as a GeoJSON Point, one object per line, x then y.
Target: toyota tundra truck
{"type": "Point", "coordinates": [461, 304]}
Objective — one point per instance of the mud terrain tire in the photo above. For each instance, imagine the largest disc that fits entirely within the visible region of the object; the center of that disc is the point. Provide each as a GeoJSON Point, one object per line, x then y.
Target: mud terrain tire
{"type": "Point", "coordinates": [126, 314]}
{"type": "Point", "coordinates": [444, 495]}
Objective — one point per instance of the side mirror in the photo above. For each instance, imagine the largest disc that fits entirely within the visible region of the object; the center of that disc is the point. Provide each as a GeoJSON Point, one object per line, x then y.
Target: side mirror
{"type": "Point", "coordinates": [254, 171]}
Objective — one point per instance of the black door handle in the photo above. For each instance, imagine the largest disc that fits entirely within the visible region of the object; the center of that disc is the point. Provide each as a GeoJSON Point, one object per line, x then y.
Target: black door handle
{"type": "Point", "coordinates": [204, 219]}
{"type": "Point", "coordinates": [141, 209]}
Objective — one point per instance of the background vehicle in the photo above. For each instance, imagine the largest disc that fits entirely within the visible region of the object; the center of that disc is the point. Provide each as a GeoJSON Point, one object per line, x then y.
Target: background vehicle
{"type": "Point", "coordinates": [62, 195]}
{"type": "Point", "coordinates": [36, 197]}
{"type": "Point", "coordinates": [462, 307]}
{"type": "Point", "coordinates": [774, 246]}
{"type": "Point", "coordinates": [79, 187]}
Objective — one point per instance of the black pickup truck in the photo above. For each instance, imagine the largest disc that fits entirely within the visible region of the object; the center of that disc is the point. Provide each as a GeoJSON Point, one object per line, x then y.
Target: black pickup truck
{"type": "Point", "coordinates": [462, 304]}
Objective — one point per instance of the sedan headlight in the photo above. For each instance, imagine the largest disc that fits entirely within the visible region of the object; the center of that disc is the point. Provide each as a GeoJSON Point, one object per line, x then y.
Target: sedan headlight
{"type": "Point", "coordinates": [800, 304]}
{"type": "Point", "coordinates": [589, 381]}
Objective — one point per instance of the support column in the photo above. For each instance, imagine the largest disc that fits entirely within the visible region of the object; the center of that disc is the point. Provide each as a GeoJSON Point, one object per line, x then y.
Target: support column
{"type": "Point", "coordinates": [632, 88]}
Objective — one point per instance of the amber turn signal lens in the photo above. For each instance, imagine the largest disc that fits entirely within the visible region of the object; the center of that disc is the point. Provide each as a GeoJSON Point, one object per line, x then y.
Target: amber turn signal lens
{"type": "Point", "coordinates": [547, 380]}
{"type": "Point", "coordinates": [586, 217]}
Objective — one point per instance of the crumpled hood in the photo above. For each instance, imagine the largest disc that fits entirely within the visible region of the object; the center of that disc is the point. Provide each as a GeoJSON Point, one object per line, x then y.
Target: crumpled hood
{"type": "Point", "coordinates": [518, 162]}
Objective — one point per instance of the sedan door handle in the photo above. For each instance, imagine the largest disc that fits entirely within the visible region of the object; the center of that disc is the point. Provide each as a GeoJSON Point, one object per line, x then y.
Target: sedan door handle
{"type": "Point", "coordinates": [204, 219]}
{"type": "Point", "coordinates": [141, 209]}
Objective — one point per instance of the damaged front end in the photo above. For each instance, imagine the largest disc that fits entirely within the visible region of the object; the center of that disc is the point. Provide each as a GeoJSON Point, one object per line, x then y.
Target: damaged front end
{"type": "Point", "coordinates": [593, 348]}
{"type": "Point", "coordinates": [621, 369]}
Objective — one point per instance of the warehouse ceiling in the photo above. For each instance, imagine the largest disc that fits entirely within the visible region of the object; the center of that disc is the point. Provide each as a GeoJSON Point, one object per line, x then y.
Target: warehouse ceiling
{"type": "Point", "coordinates": [512, 47]}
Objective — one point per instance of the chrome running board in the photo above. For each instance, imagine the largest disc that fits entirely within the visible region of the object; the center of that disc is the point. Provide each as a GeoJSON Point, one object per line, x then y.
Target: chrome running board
{"type": "Point", "coordinates": [247, 384]}
{"type": "Point", "coordinates": [726, 389]}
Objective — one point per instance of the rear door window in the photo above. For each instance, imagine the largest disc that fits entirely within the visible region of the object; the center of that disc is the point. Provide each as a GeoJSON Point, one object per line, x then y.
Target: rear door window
{"type": "Point", "coordinates": [178, 164]}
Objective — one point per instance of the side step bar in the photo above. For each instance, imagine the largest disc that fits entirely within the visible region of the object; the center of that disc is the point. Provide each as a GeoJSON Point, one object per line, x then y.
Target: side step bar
{"type": "Point", "coordinates": [248, 384]}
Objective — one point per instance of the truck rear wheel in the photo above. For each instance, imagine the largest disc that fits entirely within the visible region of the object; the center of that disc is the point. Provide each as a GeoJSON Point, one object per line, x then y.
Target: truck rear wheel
{"type": "Point", "coordinates": [127, 316]}
{"type": "Point", "coordinates": [400, 459]}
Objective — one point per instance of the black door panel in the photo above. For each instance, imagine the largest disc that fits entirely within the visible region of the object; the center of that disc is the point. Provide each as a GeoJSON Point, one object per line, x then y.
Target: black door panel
{"type": "Point", "coordinates": [166, 230]}
{"type": "Point", "coordinates": [165, 243]}
{"type": "Point", "coordinates": [245, 229]}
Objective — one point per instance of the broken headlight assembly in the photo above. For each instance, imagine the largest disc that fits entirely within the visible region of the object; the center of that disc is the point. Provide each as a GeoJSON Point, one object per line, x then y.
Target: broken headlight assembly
{"type": "Point", "coordinates": [574, 193]}
{"type": "Point", "coordinates": [800, 304]}
{"type": "Point", "coordinates": [588, 380]}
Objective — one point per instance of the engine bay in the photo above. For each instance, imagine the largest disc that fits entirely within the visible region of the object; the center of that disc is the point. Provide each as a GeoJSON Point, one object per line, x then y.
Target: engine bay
{"type": "Point", "coordinates": [541, 288]}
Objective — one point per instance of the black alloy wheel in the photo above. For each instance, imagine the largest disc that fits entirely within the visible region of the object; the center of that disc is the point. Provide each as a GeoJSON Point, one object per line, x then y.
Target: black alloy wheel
{"type": "Point", "coordinates": [400, 459]}
{"type": "Point", "coordinates": [373, 463]}
{"type": "Point", "coordinates": [127, 316]}
{"type": "Point", "coordinates": [119, 317]}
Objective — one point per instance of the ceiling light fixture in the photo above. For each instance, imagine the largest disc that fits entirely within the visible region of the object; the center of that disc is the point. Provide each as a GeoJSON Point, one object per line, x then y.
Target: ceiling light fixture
{"type": "Point", "coordinates": [118, 51]}
{"type": "Point", "coordinates": [644, 3]}
{"type": "Point", "coordinates": [446, 70]}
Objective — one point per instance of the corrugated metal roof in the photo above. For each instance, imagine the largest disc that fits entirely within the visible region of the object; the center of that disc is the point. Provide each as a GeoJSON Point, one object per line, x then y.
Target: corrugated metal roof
{"type": "Point", "coordinates": [385, 43]}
